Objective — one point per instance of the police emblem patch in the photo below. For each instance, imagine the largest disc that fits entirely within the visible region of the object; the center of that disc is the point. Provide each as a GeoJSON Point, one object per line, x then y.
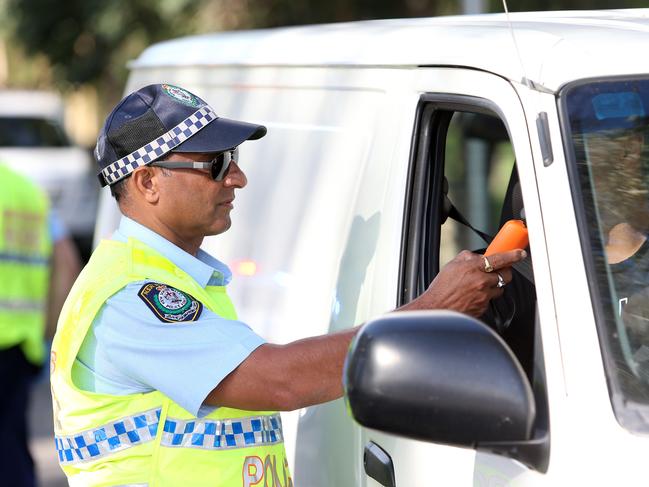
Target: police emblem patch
{"type": "Point", "coordinates": [180, 95]}
{"type": "Point", "coordinates": [170, 305]}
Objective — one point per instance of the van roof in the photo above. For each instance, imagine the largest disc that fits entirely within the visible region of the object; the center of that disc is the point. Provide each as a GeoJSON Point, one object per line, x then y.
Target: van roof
{"type": "Point", "coordinates": [555, 47]}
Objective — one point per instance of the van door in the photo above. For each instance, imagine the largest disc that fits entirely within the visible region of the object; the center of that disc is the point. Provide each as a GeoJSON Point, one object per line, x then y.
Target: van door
{"type": "Point", "coordinates": [471, 151]}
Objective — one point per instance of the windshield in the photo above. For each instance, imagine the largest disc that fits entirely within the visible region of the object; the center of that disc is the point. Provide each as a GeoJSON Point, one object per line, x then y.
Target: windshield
{"type": "Point", "coordinates": [609, 134]}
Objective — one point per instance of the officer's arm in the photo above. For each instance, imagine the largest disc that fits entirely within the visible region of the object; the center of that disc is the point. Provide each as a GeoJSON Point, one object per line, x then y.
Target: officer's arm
{"type": "Point", "coordinates": [309, 371]}
{"type": "Point", "coordinates": [286, 377]}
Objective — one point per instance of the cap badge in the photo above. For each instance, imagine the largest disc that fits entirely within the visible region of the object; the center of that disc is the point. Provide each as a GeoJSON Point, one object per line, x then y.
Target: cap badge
{"type": "Point", "coordinates": [180, 95]}
{"type": "Point", "coordinates": [170, 305]}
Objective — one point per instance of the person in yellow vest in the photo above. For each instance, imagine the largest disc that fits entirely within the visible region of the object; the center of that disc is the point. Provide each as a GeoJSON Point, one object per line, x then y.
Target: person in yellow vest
{"type": "Point", "coordinates": [32, 241]}
{"type": "Point", "coordinates": [154, 380]}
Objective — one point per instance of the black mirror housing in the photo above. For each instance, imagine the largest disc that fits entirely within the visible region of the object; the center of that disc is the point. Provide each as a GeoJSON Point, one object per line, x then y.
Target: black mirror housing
{"type": "Point", "coordinates": [438, 376]}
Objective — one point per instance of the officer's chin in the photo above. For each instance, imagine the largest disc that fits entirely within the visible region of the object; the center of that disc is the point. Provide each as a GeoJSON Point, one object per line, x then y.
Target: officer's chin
{"type": "Point", "coordinates": [219, 226]}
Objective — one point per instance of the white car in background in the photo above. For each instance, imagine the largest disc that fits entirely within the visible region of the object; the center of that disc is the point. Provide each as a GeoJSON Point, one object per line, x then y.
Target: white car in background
{"type": "Point", "coordinates": [33, 142]}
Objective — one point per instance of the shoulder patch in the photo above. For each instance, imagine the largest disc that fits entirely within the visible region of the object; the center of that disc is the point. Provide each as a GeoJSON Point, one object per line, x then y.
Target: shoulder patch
{"type": "Point", "coordinates": [170, 305]}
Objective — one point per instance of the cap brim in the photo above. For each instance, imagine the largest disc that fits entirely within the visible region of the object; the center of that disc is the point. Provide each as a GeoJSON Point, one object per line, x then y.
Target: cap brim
{"type": "Point", "coordinates": [220, 135]}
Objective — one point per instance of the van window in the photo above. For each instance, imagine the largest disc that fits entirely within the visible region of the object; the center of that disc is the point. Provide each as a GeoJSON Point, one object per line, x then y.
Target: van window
{"type": "Point", "coordinates": [480, 172]}
{"type": "Point", "coordinates": [463, 168]}
{"type": "Point", "coordinates": [31, 132]}
{"type": "Point", "coordinates": [466, 165]}
{"type": "Point", "coordinates": [608, 123]}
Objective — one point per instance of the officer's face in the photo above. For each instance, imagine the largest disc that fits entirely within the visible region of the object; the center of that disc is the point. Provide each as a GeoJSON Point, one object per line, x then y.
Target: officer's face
{"type": "Point", "coordinates": [192, 203]}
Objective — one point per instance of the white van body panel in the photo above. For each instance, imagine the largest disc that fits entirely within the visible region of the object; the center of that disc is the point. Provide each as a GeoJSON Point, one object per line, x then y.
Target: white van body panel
{"type": "Point", "coordinates": [317, 234]}
{"type": "Point", "coordinates": [556, 46]}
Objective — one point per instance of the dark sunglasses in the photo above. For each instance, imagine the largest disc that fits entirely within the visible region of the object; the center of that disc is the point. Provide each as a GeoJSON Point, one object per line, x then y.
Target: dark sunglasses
{"type": "Point", "coordinates": [218, 166]}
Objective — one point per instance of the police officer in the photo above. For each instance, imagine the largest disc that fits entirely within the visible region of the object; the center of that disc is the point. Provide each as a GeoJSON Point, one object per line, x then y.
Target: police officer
{"type": "Point", "coordinates": [154, 380]}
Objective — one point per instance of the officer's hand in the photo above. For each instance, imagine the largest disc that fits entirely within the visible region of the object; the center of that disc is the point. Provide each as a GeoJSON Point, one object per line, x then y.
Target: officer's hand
{"type": "Point", "coordinates": [464, 284]}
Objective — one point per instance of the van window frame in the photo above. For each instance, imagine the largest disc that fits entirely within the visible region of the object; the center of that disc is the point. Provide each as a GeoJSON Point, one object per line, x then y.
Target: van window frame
{"type": "Point", "coordinates": [421, 186]}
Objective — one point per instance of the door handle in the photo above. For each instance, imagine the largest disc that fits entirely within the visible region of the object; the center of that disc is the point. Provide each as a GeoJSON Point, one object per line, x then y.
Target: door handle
{"type": "Point", "coordinates": [378, 465]}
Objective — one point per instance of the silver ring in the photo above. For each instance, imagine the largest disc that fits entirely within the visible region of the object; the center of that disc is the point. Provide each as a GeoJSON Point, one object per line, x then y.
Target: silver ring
{"type": "Point", "coordinates": [487, 266]}
{"type": "Point", "coordinates": [501, 281]}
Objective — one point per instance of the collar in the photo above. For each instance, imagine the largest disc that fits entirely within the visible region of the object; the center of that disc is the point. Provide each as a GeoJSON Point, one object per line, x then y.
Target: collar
{"type": "Point", "coordinates": [204, 269]}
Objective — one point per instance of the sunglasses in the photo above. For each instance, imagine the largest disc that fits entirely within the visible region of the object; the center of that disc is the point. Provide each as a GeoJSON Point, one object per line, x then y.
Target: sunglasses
{"type": "Point", "coordinates": [218, 166]}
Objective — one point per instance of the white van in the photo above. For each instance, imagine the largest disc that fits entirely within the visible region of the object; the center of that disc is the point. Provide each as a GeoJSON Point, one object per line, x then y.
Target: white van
{"type": "Point", "coordinates": [378, 131]}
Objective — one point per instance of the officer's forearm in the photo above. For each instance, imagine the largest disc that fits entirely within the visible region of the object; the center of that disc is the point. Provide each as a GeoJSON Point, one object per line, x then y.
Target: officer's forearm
{"type": "Point", "coordinates": [287, 377]}
{"type": "Point", "coordinates": [316, 368]}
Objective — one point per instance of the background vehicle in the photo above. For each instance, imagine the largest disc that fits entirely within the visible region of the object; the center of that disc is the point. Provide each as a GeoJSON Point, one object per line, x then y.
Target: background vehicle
{"type": "Point", "coordinates": [33, 142]}
{"type": "Point", "coordinates": [373, 127]}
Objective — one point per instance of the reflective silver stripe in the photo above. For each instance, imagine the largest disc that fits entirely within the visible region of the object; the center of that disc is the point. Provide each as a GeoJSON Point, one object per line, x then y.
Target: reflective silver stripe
{"type": "Point", "coordinates": [225, 434]}
{"type": "Point", "coordinates": [96, 443]}
{"type": "Point", "coordinates": [206, 434]}
{"type": "Point", "coordinates": [40, 260]}
{"type": "Point", "coordinates": [21, 305]}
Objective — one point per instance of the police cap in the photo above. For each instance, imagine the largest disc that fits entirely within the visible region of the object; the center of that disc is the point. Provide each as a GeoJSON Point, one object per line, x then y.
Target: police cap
{"type": "Point", "coordinates": [162, 118]}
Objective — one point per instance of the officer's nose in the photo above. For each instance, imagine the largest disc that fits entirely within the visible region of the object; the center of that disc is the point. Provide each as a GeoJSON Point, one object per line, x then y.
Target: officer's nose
{"type": "Point", "coordinates": [235, 176]}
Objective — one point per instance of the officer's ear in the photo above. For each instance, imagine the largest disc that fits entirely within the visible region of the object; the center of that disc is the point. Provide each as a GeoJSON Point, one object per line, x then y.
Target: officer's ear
{"type": "Point", "coordinates": [145, 184]}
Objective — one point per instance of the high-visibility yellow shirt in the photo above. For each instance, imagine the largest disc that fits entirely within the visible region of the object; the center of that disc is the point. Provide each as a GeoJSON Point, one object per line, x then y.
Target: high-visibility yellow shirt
{"type": "Point", "coordinates": [148, 439]}
{"type": "Point", "coordinates": [126, 350]}
{"type": "Point", "coordinates": [25, 253]}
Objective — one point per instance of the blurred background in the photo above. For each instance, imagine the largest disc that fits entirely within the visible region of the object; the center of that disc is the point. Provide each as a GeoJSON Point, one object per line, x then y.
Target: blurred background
{"type": "Point", "coordinates": [63, 65]}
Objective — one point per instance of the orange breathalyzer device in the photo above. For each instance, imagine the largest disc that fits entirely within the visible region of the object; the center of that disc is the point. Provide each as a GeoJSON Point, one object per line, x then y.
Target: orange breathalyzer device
{"type": "Point", "coordinates": [512, 235]}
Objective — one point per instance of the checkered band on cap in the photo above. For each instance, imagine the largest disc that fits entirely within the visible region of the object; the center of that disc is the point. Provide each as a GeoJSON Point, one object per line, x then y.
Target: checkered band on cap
{"type": "Point", "coordinates": [204, 434]}
{"type": "Point", "coordinates": [160, 146]}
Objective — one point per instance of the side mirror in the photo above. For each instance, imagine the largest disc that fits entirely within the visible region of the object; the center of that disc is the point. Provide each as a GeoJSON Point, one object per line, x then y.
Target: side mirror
{"type": "Point", "coordinates": [438, 376]}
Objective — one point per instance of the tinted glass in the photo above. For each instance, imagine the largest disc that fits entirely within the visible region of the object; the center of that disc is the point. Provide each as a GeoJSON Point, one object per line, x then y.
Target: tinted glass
{"type": "Point", "coordinates": [609, 138]}
{"type": "Point", "coordinates": [30, 132]}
